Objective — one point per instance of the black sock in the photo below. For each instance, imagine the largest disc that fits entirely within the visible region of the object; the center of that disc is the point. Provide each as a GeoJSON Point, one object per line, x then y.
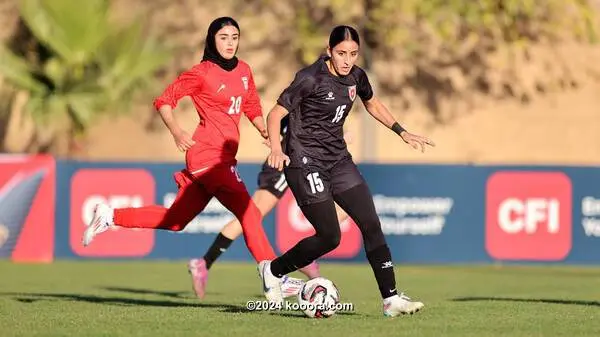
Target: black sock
{"type": "Point", "coordinates": [380, 259]}
{"type": "Point", "coordinates": [218, 247]}
{"type": "Point", "coordinates": [283, 266]}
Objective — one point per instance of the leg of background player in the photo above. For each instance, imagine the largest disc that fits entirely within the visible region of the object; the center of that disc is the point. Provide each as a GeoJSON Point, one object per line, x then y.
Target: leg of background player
{"type": "Point", "coordinates": [198, 268]}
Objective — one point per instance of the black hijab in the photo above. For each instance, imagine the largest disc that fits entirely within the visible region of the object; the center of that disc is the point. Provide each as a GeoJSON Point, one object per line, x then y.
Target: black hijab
{"type": "Point", "coordinates": [210, 49]}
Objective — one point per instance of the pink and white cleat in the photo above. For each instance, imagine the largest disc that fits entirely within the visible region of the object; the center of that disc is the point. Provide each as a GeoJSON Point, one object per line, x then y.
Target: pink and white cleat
{"type": "Point", "coordinates": [199, 272]}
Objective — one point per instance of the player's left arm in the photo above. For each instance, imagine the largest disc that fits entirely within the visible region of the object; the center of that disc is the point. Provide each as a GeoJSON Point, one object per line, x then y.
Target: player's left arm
{"type": "Point", "coordinates": [253, 109]}
{"type": "Point", "coordinates": [381, 113]}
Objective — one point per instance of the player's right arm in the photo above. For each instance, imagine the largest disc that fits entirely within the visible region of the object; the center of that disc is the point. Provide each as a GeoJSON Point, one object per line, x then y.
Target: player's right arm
{"type": "Point", "coordinates": [276, 158]}
{"type": "Point", "coordinates": [289, 101]}
{"type": "Point", "coordinates": [183, 140]}
{"type": "Point", "coordinates": [187, 84]}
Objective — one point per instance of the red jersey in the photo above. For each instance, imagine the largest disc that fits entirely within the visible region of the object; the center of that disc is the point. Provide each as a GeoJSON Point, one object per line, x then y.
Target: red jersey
{"type": "Point", "coordinates": [219, 96]}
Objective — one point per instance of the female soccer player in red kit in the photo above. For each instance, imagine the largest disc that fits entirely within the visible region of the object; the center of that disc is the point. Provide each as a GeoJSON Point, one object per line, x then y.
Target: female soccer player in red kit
{"type": "Point", "coordinates": [221, 87]}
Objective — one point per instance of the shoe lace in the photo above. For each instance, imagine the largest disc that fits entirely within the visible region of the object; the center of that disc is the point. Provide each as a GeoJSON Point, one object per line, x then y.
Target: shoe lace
{"type": "Point", "coordinates": [404, 297]}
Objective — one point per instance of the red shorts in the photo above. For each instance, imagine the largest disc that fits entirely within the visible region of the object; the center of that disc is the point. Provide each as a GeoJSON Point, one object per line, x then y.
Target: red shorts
{"type": "Point", "coordinates": [195, 191]}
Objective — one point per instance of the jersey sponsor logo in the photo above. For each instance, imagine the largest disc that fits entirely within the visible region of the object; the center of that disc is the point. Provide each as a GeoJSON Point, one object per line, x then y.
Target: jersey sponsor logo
{"type": "Point", "coordinates": [352, 92]}
{"type": "Point", "coordinates": [291, 226]}
{"type": "Point", "coordinates": [221, 87]}
{"type": "Point", "coordinates": [117, 188]}
{"type": "Point", "coordinates": [330, 96]}
{"type": "Point", "coordinates": [528, 216]}
{"type": "Point", "coordinates": [245, 81]}
{"type": "Point", "coordinates": [27, 201]}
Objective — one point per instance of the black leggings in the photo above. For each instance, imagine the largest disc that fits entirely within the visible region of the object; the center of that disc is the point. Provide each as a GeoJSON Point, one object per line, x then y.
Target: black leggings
{"type": "Point", "coordinates": [358, 203]}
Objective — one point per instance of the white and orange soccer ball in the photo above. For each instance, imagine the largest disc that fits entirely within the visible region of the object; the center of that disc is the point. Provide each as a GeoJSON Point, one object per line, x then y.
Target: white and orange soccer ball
{"type": "Point", "coordinates": [319, 298]}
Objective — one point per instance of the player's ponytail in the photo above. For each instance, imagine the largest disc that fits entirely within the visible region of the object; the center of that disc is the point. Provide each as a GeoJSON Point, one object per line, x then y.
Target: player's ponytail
{"type": "Point", "coordinates": [343, 33]}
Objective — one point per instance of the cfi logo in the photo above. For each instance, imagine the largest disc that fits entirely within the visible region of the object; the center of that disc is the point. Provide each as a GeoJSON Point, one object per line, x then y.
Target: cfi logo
{"type": "Point", "coordinates": [352, 92]}
{"type": "Point", "coordinates": [245, 81]}
{"type": "Point", "coordinates": [528, 215]}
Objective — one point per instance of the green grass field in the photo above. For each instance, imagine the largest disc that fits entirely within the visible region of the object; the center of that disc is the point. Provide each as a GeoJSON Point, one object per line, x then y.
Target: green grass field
{"type": "Point", "coordinates": [69, 298]}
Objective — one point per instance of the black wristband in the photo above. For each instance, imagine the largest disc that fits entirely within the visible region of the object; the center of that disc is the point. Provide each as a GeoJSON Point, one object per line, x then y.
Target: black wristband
{"type": "Point", "coordinates": [397, 128]}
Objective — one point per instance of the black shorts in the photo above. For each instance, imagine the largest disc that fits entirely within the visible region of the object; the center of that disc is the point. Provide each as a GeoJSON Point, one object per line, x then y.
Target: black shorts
{"type": "Point", "coordinates": [311, 184]}
{"type": "Point", "coordinates": [272, 180]}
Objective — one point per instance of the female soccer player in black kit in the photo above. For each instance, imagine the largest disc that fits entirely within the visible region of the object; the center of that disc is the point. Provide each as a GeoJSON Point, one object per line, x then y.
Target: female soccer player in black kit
{"type": "Point", "coordinates": [320, 171]}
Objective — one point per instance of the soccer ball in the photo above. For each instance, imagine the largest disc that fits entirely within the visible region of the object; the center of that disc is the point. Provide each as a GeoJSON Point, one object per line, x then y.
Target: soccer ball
{"type": "Point", "coordinates": [318, 298]}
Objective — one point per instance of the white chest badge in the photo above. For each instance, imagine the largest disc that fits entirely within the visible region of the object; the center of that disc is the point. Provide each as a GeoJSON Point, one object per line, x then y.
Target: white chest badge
{"type": "Point", "coordinates": [352, 92]}
{"type": "Point", "coordinates": [245, 81]}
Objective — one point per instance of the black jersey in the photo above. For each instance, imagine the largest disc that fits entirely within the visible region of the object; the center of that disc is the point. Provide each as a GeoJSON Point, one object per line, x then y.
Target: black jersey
{"type": "Point", "coordinates": [318, 103]}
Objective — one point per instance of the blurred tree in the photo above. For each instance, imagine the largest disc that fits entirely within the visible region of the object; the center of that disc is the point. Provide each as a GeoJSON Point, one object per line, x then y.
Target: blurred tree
{"type": "Point", "coordinates": [75, 64]}
{"type": "Point", "coordinates": [441, 50]}
{"type": "Point", "coordinates": [429, 53]}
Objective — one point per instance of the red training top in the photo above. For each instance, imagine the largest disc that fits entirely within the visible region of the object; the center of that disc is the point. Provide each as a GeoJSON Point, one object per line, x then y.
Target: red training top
{"type": "Point", "coordinates": [219, 96]}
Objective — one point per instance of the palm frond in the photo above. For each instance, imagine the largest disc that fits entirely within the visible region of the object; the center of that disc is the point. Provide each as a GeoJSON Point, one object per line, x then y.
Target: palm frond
{"type": "Point", "coordinates": [19, 72]}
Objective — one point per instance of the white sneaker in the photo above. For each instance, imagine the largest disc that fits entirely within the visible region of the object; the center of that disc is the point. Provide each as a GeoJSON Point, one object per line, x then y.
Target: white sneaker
{"type": "Point", "coordinates": [271, 283]}
{"type": "Point", "coordinates": [102, 220]}
{"type": "Point", "coordinates": [400, 304]}
{"type": "Point", "coordinates": [290, 286]}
